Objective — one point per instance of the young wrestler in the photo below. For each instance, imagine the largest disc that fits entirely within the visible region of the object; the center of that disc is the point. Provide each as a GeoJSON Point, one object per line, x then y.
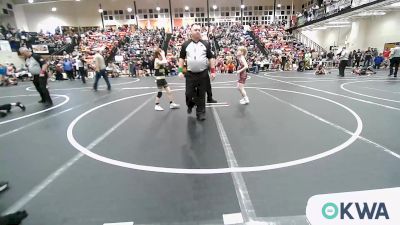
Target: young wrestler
{"type": "Point", "coordinates": [160, 63]}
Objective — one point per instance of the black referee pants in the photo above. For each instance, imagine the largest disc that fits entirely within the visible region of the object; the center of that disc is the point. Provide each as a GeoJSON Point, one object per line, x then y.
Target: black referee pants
{"type": "Point", "coordinates": [196, 86]}
{"type": "Point", "coordinates": [41, 87]}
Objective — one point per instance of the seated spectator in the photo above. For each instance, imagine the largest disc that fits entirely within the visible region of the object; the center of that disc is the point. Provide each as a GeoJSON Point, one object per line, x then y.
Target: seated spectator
{"type": "Point", "coordinates": [378, 61]}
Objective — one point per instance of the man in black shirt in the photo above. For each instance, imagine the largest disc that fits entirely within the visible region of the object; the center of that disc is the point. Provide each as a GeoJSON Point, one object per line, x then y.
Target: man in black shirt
{"type": "Point", "coordinates": [368, 57]}
{"type": "Point", "coordinates": [358, 56]}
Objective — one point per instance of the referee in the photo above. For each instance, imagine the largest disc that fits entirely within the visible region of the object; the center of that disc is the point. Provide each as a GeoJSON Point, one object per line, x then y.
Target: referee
{"type": "Point", "coordinates": [199, 59]}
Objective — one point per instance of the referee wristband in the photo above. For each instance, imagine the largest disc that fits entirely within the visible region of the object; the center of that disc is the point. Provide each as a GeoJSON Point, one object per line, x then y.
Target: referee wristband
{"type": "Point", "coordinates": [212, 70]}
{"type": "Point", "coordinates": [180, 70]}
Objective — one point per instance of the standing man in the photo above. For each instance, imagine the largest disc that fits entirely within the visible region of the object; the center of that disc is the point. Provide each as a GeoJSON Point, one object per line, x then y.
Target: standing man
{"type": "Point", "coordinates": [344, 59]}
{"type": "Point", "coordinates": [199, 59]}
{"type": "Point", "coordinates": [80, 67]}
{"type": "Point", "coordinates": [67, 65]}
{"type": "Point", "coordinates": [368, 57]}
{"type": "Point", "coordinates": [358, 56]}
{"type": "Point", "coordinates": [37, 66]}
{"type": "Point", "coordinates": [395, 60]}
{"type": "Point", "coordinates": [100, 67]}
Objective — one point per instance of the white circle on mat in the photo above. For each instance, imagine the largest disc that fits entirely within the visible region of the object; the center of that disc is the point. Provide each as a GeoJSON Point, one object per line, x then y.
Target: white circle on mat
{"type": "Point", "coordinates": [369, 96]}
{"type": "Point", "coordinates": [83, 88]}
{"type": "Point", "coordinates": [35, 113]}
{"type": "Point", "coordinates": [157, 169]}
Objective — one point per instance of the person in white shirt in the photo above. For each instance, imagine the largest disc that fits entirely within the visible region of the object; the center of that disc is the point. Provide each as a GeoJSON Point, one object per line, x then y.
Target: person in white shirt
{"type": "Point", "coordinates": [394, 60]}
{"type": "Point", "coordinates": [344, 58]}
{"type": "Point", "coordinates": [80, 67]}
{"type": "Point", "coordinates": [100, 68]}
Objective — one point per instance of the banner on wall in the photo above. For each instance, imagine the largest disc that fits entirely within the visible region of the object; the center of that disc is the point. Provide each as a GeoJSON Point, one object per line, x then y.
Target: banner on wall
{"type": "Point", "coordinates": [41, 49]}
{"type": "Point", "coordinates": [5, 46]}
{"type": "Point", "coordinates": [391, 45]}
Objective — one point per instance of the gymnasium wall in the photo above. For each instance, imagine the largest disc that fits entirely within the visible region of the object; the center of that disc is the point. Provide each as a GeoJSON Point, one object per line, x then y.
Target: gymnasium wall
{"type": "Point", "coordinates": [372, 31]}
{"type": "Point", "coordinates": [6, 13]}
{"type": "Point", "coordinates": [35, 17]}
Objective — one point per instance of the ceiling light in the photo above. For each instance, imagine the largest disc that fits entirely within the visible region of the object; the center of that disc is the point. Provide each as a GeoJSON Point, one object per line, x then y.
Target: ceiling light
{"type": "Point", "coordinates": [53, 9]}
{"type": "Point", "coordinates": [77, 0]}
{"type": "Point", "coordinates": [100, 10]}
{"type": "Point", "coordinates": [30, 1]}
{"type": "Point", "coordinates": [242, 6]}
{"type": "Point", "coordinates": [158, 8]}
{"type": "Point", "coordinates": [279, 5]}
{"type": "Point", "coordinates": [129, 9]}
{"type": "Point", "coordinates": [215, 7]}
{"type": "Point", "coordinates": [186, 8]}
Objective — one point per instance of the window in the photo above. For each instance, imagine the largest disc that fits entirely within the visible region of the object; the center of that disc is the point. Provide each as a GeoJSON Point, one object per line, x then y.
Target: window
{"type": "Point", "coordinates": [282, 12]}
{"type": "Point", "coordinates": [145, 16]}
{"type": "Point", "coordinates": [250, 13]}
{"type": "Point", "coordinates": [140, 11]}
{"type": "Point", "coordinates": [151, 16]}
{"type": "Point", "coordinates": [260, 8]}
{"type": "Point", "coordinates": [115, 12]}
{"type": "Point", "coordinates": [197, 9]}
{"type": "Point", "coordinates": [191, 14]}
{"type": "Point", "coordinates": [155, 16]}
{"type": "Point", "coordinates": [121, 12]}
{"type": "Point", "coordinates": [127, 17]}
{"type": "Point", "coordinates": [288, 7]}
{"type": "Point", "coordinates": [181, 15]}
{"type": "Point", "coordinates": [106, 18]}
{"type": "Point", "coordinates": [105, 13]}
{"type": "Point", "coordinates": [237, 13]}
{"type": "Point", "coordinates": [270, 13]}
{"type": "Point", "coordinates": [150, 11]}
{"type": "Point", "coordinates": [202, 14]}
{"type": "Point", "coordinates": [111, 18]}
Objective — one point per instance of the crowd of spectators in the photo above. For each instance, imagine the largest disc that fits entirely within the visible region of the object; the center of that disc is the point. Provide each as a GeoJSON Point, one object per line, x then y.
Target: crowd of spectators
{"type": "Point", "coordinates": [130, 51]}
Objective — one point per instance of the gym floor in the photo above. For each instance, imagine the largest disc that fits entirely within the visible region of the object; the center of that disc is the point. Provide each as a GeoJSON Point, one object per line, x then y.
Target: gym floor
{"type": "Point", "coordinates": [107, 157]}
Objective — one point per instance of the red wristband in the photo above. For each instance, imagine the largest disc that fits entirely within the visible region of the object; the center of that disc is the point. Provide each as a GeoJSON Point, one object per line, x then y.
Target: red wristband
{"type": "Point", "coordinates": [212, 70]}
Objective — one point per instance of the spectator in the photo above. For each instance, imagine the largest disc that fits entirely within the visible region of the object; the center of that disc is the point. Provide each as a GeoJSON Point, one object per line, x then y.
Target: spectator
{"type": "Point", "coordinates": [378, 61]}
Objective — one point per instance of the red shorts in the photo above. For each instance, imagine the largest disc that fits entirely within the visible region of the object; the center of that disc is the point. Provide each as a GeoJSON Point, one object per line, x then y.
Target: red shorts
{"type": "Point", "coordinates": [242, 78]}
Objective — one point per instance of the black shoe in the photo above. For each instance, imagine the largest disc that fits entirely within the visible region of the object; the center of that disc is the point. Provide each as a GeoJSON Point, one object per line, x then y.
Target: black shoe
{"type": "Point", "coordinates": [3, 186]}
{"type": "Point", "coordinates": [211, 101]}
{"type": "Point", "coordinates": [201, 117]}
{"type": "Point", "coordinates": [48, 104]}
{"type": "Point", "coordinates": [8, 108]}
{"type": "Point", "coordinates": [3, 114]}
{"type": "Point", "coordinates": [189, 110]}
{"type": "Point", "coordinates": [41, 101]}
{"type": "Point", "coordinates": [390, 75]}
{"type": "Point", "coordinates": [21, 106]}
{"type": "Point", "coordinates": [14, 219]}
